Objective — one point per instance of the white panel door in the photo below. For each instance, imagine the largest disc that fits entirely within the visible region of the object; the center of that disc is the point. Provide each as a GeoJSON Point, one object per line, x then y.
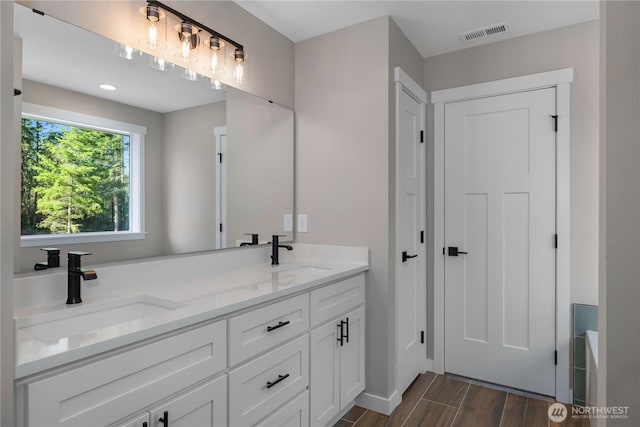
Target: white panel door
{"type": "Point", "coordinates": [411, 269]}
{"type": "Point", "coordinates": [500, 210]}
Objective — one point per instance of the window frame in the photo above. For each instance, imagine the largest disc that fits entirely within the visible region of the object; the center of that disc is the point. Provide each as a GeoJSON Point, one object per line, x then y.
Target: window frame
{"type": "Point", "coordinates": [137, 136]}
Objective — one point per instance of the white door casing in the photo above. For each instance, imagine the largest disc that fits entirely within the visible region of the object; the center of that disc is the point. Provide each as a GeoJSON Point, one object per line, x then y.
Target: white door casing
{"type": "Point", "coordinates": [560, 80]}
{"type": "Point", "coordinates": [500, 210]}
{"type": "Point", "coordinates": [220, 134]}
{"type": "Point", "coordinates": [410, 230]}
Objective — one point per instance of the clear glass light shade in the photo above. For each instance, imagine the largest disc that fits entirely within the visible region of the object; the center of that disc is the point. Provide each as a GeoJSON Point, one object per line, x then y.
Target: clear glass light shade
{"type": "Point", "coordinates": [189, 75]}
{"type": "Point", "coordinates": [216, 55]}
{"type": "Point", "coordinates": [240, 66]}
{"type": "Point", "coordinates": [215, 84]}
{"type": "Point", "coordinates": [189, 42]}
{"type": "Point", "coordinates": [124, 51]}
{"type": "Point", "coordinates": [153, 28]}
{"type": "Point", "coordinates": [159, 64]}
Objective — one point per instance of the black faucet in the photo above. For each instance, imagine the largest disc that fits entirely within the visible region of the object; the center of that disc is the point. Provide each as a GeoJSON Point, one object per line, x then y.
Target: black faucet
{"type": "Point", "coordinates": [73, 277]}
{"type": "Point", "coordinates": [53, 259]}
{"type": "Point", "coordinates": [275, 248]}
{"type": "Point", "coordinates": [254, 239]}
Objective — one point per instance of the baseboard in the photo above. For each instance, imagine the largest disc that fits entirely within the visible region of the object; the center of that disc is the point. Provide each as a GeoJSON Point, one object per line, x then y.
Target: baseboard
{"type": "Point", "coordinates": [383, 405]}
{"type": "Point", "coordinates": [429, 364]}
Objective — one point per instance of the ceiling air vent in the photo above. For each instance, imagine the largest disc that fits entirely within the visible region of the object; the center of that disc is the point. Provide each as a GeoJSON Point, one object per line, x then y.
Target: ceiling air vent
{"type": "Point", "coordinates": [482, 33]}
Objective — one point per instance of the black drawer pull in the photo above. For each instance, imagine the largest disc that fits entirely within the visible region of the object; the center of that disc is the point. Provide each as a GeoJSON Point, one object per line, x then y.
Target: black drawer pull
{"type": "Point", "coordinates": [165, 419]}
{"type": "Point", "coordinates": [280, 378]}
{"type": "Point", "coordinates": [279, 325]}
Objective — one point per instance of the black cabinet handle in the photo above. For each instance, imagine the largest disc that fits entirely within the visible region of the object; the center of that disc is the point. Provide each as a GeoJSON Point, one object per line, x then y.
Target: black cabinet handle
{"type": "Point", "coordinates": [347, 323]}
{"type": "Point", "coordinates": [279, 325]}
{"type": "Point", "coordinates": [165, 419]}
{"type": "Point", "coordinates": [342, 329]}
{"type": "Point", "coordinates": [280, 378]}
{"type": "Point", "coordinates": [145, 424]}
{"type": "Point", "coordinates": [453, 251]}
{"type": "Point", "coordinates": [341, 334]}
{"type": "Point", "coordinates": [405, 256]}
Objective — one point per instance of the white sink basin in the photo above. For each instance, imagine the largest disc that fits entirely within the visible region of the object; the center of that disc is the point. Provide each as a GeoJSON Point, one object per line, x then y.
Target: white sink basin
{"type": "Point", "coordinates": [76, 320]}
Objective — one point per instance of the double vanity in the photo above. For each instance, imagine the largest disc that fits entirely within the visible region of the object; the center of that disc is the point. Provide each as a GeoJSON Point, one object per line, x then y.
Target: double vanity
{"type": "Point", "coordinates": [195, 340]}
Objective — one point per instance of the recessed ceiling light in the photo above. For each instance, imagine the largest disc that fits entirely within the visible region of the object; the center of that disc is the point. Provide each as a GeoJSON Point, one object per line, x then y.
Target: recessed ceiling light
{"type": "Point", "coordinates": [106, 86]}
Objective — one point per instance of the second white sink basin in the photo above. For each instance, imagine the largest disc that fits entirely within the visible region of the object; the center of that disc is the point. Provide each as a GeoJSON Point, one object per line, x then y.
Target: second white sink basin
{"type": "Point", "coordinates": [72, 321]}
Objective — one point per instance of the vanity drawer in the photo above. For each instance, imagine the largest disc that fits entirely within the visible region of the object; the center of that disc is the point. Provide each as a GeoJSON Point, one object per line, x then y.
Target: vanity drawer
{"type": "Point", "coordinates": [110, 389]}
{"type": "Point", "coordinates": [334, 300]}
{"type": "Point", "coordinates": [293, 414]}
{"type": "Point", "coordinates": [259, 330]}
{"type": "Point", "coordinates": [261, 386]}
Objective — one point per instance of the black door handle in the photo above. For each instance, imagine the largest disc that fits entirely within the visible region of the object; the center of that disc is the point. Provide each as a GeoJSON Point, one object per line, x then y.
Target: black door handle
{"type": "Point", "coordinates": [453, 251]}
{"type": "Point", "coordinates": [405, 257]}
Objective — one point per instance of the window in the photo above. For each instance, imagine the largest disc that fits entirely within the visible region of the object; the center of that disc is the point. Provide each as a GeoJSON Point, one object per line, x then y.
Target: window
{"type": "Point", "coordinates": [81, 178]}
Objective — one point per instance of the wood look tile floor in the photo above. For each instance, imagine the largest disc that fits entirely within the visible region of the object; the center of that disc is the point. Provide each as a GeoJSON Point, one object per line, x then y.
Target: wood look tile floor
{"type": "Point", "coordinates": [445, 401]}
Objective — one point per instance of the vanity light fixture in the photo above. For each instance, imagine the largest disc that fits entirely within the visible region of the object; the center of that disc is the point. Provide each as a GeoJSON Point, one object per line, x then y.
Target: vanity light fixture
{"type": "Point", "coordinates": [192, 35]}
{"type": "Point", "coordinates": [153, 27]}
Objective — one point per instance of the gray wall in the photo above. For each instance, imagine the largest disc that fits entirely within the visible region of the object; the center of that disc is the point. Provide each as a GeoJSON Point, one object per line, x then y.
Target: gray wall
{"type": "Point", "coordinates": [575, 46]}
{"type": "Point", "coordinates": [189, 177]}
{"type": "Point", "coordinates": [619, 366]}
{"type": "Point", "coordinates": [345, 162]}
{"type": "Point", "coordinates": [42, 94]}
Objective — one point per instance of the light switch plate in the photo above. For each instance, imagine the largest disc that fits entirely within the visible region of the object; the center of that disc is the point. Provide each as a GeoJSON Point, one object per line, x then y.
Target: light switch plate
{"type": "Point", "coordinates": [302, 223]}
{"type": "Point", "coordinates": [288, 222]}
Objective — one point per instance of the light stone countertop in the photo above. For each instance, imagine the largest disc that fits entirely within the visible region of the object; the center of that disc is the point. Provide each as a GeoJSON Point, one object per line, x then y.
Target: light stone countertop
{"type": "Point", "coordinates": [202, 297]}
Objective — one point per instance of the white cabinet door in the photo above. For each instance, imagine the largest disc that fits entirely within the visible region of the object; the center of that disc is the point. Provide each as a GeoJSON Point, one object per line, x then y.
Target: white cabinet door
{"type": "Point", "coordinates": [204, 406]}
{"type": "Point", "coordinates": [325, 374]}
{"type": "Point", "coordinates": [352, 358]}
{"type": "Point", "coordinates": [337, 365]}
{"type": "Point", "coordinates": [139, 421]}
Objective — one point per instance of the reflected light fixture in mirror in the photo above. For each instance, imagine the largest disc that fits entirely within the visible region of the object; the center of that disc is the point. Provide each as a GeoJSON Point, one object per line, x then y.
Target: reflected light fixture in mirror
{"type": "Point", "coordinates": [158, 63]}
{"type": "Point", "coordinates": [189, 42]}
{"type": "Point", "coordinates": [153, 27]}
{"type": "Point", "coordinates": [239, 71]}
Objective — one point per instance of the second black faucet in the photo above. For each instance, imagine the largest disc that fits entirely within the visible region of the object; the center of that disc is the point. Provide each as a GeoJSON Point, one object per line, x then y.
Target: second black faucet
{"type": "Point", "coordinates": [275, 248]}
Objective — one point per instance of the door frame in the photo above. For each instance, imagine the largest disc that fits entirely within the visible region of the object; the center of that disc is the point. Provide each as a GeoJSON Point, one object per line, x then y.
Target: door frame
{"type": "Point", "coordinates": [404, 82]}
{"type": "Point", "coordinates": [221, 196]}
{"type": "Point", "coordinates": [561, 80]}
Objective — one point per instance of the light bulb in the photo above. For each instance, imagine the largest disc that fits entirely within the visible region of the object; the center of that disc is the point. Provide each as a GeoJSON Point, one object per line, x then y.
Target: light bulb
{"type": "Point", "coordinates": [185, 50]}
{"type": "Point", "coordinates": [239, 72]}
{"type": "Point", "coordinates": [153, 36]}
{"type": "Point", "coordinates": [214, 61]}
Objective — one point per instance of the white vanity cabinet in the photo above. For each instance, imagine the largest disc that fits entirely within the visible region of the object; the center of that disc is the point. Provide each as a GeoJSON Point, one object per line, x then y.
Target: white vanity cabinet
{"type": "Point", "coordinates": [337, 349]}
{"type": "Point", "coordinates": [295, 361]}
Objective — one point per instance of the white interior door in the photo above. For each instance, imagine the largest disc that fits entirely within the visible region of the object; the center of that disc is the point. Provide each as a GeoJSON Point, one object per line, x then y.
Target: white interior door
{"type": "Point", "coordinates": [220, 133]}
{"type": "Point", "coordinates": [500, 182]}
{"type": "Point", "coordinates": [410, 268]}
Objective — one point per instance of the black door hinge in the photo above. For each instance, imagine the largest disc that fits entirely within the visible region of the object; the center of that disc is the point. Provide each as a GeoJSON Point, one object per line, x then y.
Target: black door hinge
{"type": "Point", "coordinates": [555, 119]}
{"type": "Point", "coordinates": [221, 227]}
{"type": "Point", "coordinates": [555, 357]}
{"type": "Point", "coordinates": [421, 337]}
{"type": "Point", "coordinates": [422, 236]}
{"type": "Point", "coordinates": [555, 241]}
{"type": "Point", "coordinates": [421, 136]}
{"type": "Point", "coordinates": [220, 156]}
